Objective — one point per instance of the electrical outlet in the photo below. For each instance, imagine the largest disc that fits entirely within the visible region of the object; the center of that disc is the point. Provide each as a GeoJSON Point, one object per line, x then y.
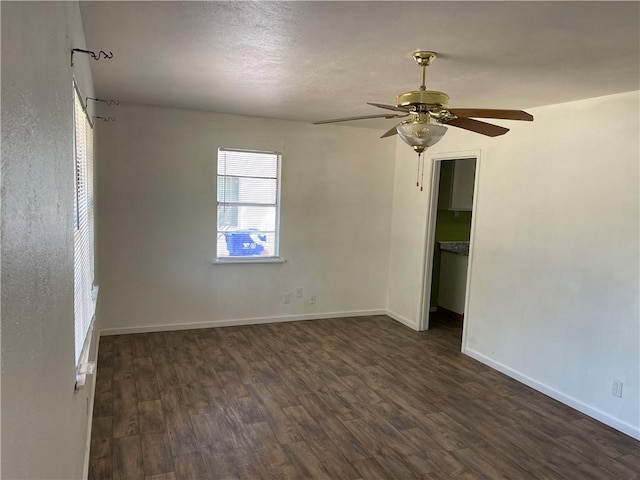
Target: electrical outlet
{"type": "Point", "coordinates": [616, 388]}
{"type": "Point", "coordinates": [312, 299]}
{"type": "Point", "coordinates": [299, 292]}
{"type": "Point", "coordinates": [286, 298]}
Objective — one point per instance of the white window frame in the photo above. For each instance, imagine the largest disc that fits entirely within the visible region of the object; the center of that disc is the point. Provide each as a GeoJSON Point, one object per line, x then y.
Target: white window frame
{"type": "Point", "coordinates": [85, 291]}
{"type": "Point", "coordinates": [275, 257]}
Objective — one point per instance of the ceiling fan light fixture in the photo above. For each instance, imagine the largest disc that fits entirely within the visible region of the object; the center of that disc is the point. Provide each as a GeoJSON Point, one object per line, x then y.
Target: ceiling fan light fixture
{"type": "Point", "coordinates": [420, 134]}
{"type": "Point", "coordinates": [425, 105]}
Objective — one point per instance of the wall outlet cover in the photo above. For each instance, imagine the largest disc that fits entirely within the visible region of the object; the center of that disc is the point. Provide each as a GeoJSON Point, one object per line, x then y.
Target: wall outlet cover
{"type": "Point", "coordinates": [616, 388]}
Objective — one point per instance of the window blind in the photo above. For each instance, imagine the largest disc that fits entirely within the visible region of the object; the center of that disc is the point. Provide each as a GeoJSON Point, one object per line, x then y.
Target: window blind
{"type": "Point", "coordinates": [248, 203]}
{"type": "Point", "coordinates": [83, 236]}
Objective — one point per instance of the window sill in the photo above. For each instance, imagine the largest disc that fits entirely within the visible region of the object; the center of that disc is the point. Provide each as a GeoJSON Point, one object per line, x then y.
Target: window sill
{"type": "Point", "coordinates": [85, 367]}
{"type": "Point", "coordinates": [250, 260]}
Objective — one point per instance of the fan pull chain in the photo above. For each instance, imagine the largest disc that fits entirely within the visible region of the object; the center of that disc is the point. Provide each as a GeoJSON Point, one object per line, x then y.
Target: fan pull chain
{"type": "Point", "coordinates": [420, 174]}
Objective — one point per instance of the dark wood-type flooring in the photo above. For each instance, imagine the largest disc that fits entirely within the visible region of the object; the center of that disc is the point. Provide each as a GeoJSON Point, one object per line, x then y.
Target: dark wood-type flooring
{"type": "Point", "coordinates": [353, 398]}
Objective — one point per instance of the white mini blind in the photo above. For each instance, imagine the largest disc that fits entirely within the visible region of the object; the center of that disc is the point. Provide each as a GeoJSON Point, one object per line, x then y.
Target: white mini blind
{"type": "Point", "coordinates": [83, 238]}
{"type": "Point", "coordinates": [248, 203]}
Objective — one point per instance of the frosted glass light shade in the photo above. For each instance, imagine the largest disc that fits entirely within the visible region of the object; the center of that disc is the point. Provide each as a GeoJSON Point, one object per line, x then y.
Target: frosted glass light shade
{"type": "Point", "coordinates": [420, 135]}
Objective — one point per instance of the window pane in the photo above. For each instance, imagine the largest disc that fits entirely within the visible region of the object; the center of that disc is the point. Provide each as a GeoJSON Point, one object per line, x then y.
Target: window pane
{"type": "Point", "coordinates": [248, 164]}
{"type": "Point", "coordinates": [228, 189]}
{"type": "Point", "coordinates": [247, 190]}
{"type": "Point", "coordinates": [261, 218]}
{"type": "Point", "coordinates": [227, 217]}
{"type": "Point", "coordinates": [246, 243]}
{"type": "Point", "coordinates": [248, 217]}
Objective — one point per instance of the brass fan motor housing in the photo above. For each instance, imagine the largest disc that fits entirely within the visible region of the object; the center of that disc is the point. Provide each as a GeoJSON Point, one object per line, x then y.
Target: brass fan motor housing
{"type": "Point", "coordinates": [423, 100]}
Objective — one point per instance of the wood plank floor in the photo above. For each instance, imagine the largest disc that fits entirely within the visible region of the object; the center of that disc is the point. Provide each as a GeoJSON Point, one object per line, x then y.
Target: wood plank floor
{"type": "Point", "coordinates": [354, 398]}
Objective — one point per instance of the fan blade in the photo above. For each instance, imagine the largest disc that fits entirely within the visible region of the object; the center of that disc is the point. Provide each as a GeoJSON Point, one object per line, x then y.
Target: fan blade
{"type": "Point", "coordinates": [364, 117]}
{"type": "Point", "coordinates": [477, 126]}
{"type": "Point", "coordinates": [390, 133]}
{"type": "Point", "coordinates": [390, 107]}
{"type": "Point", "coordinates": [491, 113]}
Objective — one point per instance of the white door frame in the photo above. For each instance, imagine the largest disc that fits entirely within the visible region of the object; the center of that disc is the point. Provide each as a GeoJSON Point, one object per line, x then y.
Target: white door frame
{"type": "Point", "coordinates": [430, 234]}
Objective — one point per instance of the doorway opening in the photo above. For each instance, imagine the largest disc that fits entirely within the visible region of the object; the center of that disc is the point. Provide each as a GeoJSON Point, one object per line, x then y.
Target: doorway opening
{"type": "Point", "coordinates": [449, 241]}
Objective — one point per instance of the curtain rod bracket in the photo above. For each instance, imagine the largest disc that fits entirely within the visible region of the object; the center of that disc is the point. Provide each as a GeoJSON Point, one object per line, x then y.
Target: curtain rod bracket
{"type": "Point", "coordinates": [105, 119]}
{"type": "Point", "coordinates": [101, 54]}
{"type": "Point", "coordinates": [108, 102]}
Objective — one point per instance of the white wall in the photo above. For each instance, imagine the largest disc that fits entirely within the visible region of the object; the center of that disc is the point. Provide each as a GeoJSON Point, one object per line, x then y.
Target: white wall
{"type": "Point", "coordinates": [553, 298]}
{"type": "Point", "coordinates": [407, 246]}
{"type": "Point", "coordinates": [157, 227]}
{"type": "Point", "coordinates": [44, 423]}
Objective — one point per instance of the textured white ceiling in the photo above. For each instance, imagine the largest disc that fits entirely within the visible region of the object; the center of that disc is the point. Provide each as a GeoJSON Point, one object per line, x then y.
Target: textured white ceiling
{"type": "Point", "coordinates": [310, 61]}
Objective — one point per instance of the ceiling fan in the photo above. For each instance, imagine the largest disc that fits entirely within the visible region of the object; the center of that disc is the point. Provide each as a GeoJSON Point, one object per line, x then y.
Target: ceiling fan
{"type": "Point", "coordinates": [423, 106]}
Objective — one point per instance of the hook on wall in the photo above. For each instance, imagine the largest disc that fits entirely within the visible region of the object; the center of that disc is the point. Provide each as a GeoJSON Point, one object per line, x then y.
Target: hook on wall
{"type": "Point", "coordinates": [105, 119]}
{"type": "Point", "coordinates": [98, 56]}
{"type": "Point", "coordinates": [108, 102]}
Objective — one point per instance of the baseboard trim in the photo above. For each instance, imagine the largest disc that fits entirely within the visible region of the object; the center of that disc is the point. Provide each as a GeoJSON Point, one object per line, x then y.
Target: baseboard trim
{"type": "Point", "coordinates": [605, 418]}
{"type": "Point", "coordinates": [236, 322]}
{"type": "Point", "coordinates": [405, 321]}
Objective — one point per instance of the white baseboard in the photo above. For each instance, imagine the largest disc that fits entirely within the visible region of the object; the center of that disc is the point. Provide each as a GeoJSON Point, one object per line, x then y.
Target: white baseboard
{"type": "Point", "coordinates": [623, 427]}
{"type": "Point", "coordinates": [237, 322]}
{"type": "Point", "coordinates": [402, 320]}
